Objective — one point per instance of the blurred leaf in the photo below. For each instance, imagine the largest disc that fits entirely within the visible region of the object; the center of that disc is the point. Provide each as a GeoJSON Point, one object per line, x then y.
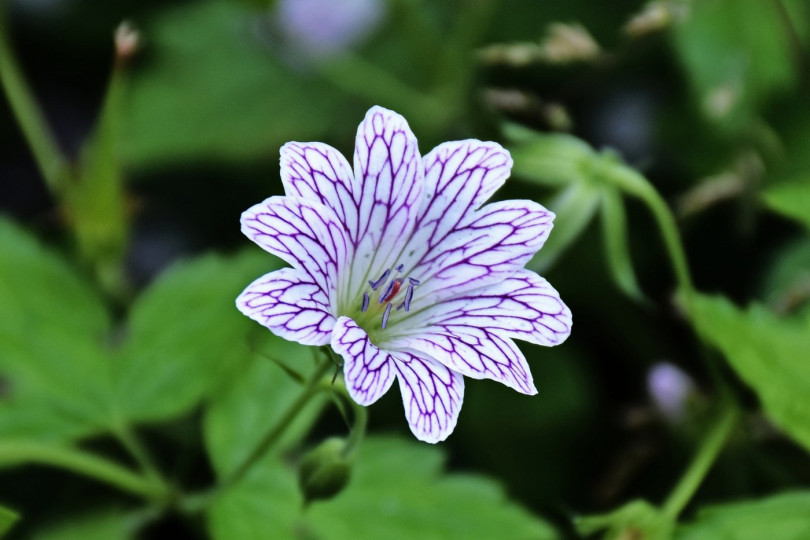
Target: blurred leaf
{"type": "Point", "coordinates": [791, 199]}
{"type": "Point", "coordinates": [100, 525]}
{"type": "Point", "coordinates": [54, 377]}
{"type": "Point", "coordinates": [396, 491]}
{"type": "Point", "coordinates": [636, 519]}
{"type": "Point", "coordinates": [617, 251]}
{"type": "Point", "coordinates": [785, 516]}
{"type": "Point", "coordinates": [253, 401]}
{"type": "Point", "coordinates": [7, 519]}
{"type": "Point", "coordinates": [399, 489]}
{"type": "Point", "coordinates": [738, 54]}
{"type": "Point", "coordinates": [769, 354]}
{"type": "Point", "coordinates": [786, 285]}
{"type": "Point", "coordinates": [574, 207]}
{"type": "Point", "coordinates": [184, 334]}
{"type": "Point", "coordinates": [212, 87]}
{"type": "Point", "coordinates": [553, 160]}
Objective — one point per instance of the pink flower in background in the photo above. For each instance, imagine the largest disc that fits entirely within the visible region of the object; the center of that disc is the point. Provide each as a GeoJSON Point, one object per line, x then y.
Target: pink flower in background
{"type": "Point", "coordinates": [402, 269]}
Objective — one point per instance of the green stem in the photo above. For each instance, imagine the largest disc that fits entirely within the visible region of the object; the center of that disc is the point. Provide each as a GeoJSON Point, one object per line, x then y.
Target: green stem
{"type": "Point", "coordinates": [705, 457]}
{"type": "Point", "coordinates": [50, 161]}
{"type": "Point", "coordinates": [102, 469]}
{"type": "Point", "coordinates": [358, 430]}
{"type": "Point", "coordinates": [635, 184]}
{"type": "Point", "coordinates": [133, 445]}
{"type": "Point", "coordinates": [311, 388]}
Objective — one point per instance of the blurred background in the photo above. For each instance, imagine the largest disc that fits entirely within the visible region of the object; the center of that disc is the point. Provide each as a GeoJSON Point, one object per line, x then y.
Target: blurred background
{"type": "Point", "coordinates": [185, 106]}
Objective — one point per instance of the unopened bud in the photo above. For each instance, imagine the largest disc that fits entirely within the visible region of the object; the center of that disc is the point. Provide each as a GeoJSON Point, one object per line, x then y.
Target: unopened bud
{"type": "Point", "coordinates": [126, 41]}
{"type": "Point", "coordinates": [325, 470]}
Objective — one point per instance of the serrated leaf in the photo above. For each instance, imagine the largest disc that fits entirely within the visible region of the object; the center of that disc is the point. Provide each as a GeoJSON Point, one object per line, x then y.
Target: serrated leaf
{"type": "Point", "coordinates": [769, 353]}
{"type": "Point", "coordinates": [791, 199]}
{"type": "Point", "coordinates": [184, 334]}
{"type": "Point", "coordinates": [241, 102]}
{"type": "Point", "coordinates": [7, 519]}
{"type": "Point", "coordinates": [617, 251]}
{"type": "Point", "coordinates": [785, 516]}
{"type": "Point", "coordinates": [56, 383]}
{"type": "Point", "coordinates": [253, 401]}
{"type": "Point", "coordinates": [396, 491]}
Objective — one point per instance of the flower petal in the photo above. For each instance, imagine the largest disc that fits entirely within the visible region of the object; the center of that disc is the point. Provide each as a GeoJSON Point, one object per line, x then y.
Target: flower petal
{"type": "Point", "coordinates": [523, 306]}
{"type": "Point", "coordinates": [459, 177]}
{"type": "Point", "coordinates": [486, 247]}
{"type": "Point", "coordinates": [477, 353]}
{"type": "Point", "coordinates": [291, 305]}
{"type": "Point", "coordinates": [389, 184]}
{"type": "Point", "coordinates": [432, 396]}
{"type": "Point", "coordinates": [368, 371]}
{"type": "Point", "coordinates": [306, 234]}
{"type": "Point", "coordinates": [317, 172]}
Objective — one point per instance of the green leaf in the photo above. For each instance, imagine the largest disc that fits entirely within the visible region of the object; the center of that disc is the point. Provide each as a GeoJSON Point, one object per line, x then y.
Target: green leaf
{"type": "Point", "coordinates": [554, 160]}
{"type": "Point", "coordinates": [617, 251]}
{"type": "Point", "coordinates": [185, 334]}
{"type": "Point", "coordinates": [399, 490]}
{"type": "Point", "coordinates": [55, 377]}
{"type": "Point", "coordinates": [253, 401]}
{"type": "Point", "coordinates": [785, 516]}
{"type": "Point", "coordinates": [768, 353]}
{"type": "Point", "coordinates": [738, 54]}
{"type": "Point", "coordinates": [7, 519]}
{"type": "Point", "coordinates": [101, 525]}
{"type": "Point", "coordinates": [636, 519]}
{"type": "Point", "coordinates": [574, 207]}
{"type": "Point", "coordinates": [396, 491]}
{"type": "Point", "coordinates": [791, 199]}
{"type": "Point", "coordinates": [213, 88]}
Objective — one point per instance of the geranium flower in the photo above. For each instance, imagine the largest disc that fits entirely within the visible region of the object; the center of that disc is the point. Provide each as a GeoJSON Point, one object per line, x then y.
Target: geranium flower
{"type": "Point", "coordinates": [401, 270]}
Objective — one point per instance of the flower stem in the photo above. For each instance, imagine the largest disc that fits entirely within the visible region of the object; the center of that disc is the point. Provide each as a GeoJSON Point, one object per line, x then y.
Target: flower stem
{"type": "Point", "coordinates": [50, 161]}
{"type": "Point", "coordinates": [133, 445]}
{"type": "Point", "coordinates": [83, 463]}
{"type": "Point", "coordinates": [635, 184]}
{"type": "Point", "coordinates": [704, 458]}
{"type": "Point", "coordinates": [310, 389]}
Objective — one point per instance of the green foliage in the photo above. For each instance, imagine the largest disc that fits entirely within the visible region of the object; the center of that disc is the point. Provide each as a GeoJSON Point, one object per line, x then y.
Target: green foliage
{"type": "Point", "coordinates": [101, 525]}
{"type": "Point", "coordinates": [214, 90]}
{"type": "Point", "coordinates": [791, 199]}
{"type": "Point", "coordinates": [636, 519]}
{"type": "Point", "coordinates": [7, 520]}
{"type": "Point", "coordinates": [53, 329]}
{"type": "Point", "coordinates": [769, 354]}
{"type": "Point", "coordinates": [738, 54]}
{"type": "Point", "coordinates": [396, 491]}
{"type": "Point", "coordinates": [785, 516]}
{"type": "Point", "coordinates": [252, 401]}
{"type": "Point", "coordinates": [184, 333]}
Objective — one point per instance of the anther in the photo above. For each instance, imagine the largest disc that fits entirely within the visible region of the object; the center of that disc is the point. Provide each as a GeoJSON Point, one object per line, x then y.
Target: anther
{"type": "Point", "coordinates": [380, 280]}
{"type": "Point", "coordinates": [385, 315]}
{"type": "Point", "coordinates": [413, 281]}
{"type": "Point", "coordinates": [365, 302]}
{"type": "Point", "coordinates": [386, 293]}
{"type": "Point", "coordinates": [399, 267]}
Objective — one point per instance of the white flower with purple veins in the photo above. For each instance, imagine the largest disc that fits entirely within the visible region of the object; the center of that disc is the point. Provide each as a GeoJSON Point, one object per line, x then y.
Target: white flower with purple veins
{"type": "Point", "coordinates": [400, 266]}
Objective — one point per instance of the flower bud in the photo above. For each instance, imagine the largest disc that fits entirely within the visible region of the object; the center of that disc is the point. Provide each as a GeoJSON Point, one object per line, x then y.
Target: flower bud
{"type": "Point", "coordinates": [325, 470]}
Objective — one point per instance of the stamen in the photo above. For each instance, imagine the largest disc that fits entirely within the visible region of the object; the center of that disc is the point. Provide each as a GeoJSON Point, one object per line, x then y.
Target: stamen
{"type": "Point", "coordinates": [385, 315]}
{"type": "Point", "coordinates": [365, 302]}
{"type": "Point", "coordinates": [408, 296]}
{"type": "Point", "coordinates": [386, 293]}
{"type": "Point", "coordinates": [375, 284]}
{"type": "Point", "coordinates": [414, 281]}
{"type": "Point", "coordinates": [399, 267]}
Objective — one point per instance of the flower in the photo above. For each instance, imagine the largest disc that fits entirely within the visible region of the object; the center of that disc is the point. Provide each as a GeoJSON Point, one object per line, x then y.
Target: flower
{"type": "Point", "coordinates": [670, 389]}
{"type": "Point", "coordinates": [401, 268]}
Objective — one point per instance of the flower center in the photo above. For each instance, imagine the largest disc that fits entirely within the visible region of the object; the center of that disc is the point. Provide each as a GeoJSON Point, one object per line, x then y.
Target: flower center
{"type": "Point", "coordinates": [384, 292]}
